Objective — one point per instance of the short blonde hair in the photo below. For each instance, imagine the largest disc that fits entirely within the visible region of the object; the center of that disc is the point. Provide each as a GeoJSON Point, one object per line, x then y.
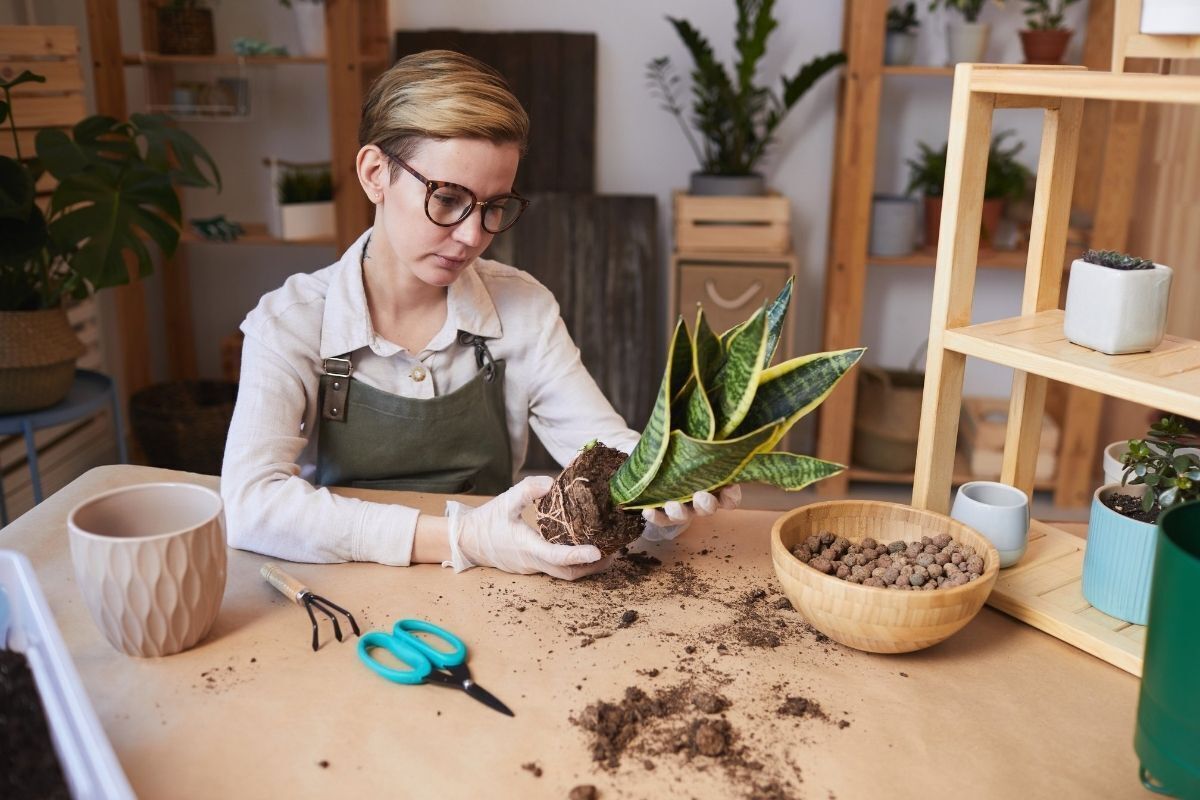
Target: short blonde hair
{"type": "Point", "coordinates": [440, 94]}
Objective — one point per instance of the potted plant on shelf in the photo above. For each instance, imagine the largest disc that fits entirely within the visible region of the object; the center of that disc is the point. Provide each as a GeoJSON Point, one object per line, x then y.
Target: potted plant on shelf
{"type": "Point", "coordinates": [310, 21]}
{"type": "Point", "coordinates": [116, 188]}
{"type": "Point", "coordinates": [185, 28]}
{"type": "Point", "coordinates": [900, 44]}
{"type": "Point", "coordinates": [1159, 473]}
{"type": "Point", "coordinates": [1116, 303]}
{"type": "Point", "coordinates": [1006, 180]}
{"type": "Point", "coordinates": [720, 412]}
{"type": "Point", "coordinates": [736, 118]}
{"type": "Point", "coordinates": [305, 193]}
{"type": "Point", "coordinates": [967, 39]}
{"type": "Point", "coordinates": [1045, 40]}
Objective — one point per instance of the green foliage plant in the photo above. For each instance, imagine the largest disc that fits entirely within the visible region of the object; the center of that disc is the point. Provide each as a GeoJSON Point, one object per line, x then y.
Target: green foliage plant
{"type": "Point", "coordinates": [721, 410]}
{"type": "Point", "coordinates": [1045, 15]}
{"type": "Point", "coordinates": [1114, 260]}
{"type": "Point", "coordinates": [305, 185]}
{"type": "Point", "coordinates": [969, 9]}
{"type": "Point", "coordinates": [903, 19]}
{"type": "Point", "coordinates": [1170, 477]}
{"type": "Point", "coordinates": [116, 189]}
{"type": "Point", "coordinates": [1006, 177]}
{"type": "Point", "coordinates": [735, 117]}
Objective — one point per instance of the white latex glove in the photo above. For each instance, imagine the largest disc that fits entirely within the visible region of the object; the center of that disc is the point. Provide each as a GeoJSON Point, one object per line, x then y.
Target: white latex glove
{"type": "Point", "coordinates": [494, 535]}
{"type": "Point", "coordinates": [674, 517]}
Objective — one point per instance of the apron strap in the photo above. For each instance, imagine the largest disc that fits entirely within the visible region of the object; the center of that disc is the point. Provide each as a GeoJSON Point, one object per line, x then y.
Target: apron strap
{"type": "Point", "coordinates": [483, 356]}
{"type": "Point", "coordinates": [333, 404]}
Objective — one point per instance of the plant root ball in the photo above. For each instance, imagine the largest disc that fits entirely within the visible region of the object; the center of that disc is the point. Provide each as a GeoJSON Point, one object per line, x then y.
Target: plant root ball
{"type": "Point", "coordinates": [579, 508]}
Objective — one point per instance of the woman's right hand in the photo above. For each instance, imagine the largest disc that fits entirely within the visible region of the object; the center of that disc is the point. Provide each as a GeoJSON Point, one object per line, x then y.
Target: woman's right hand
{"type": "Point", "coordinates": [494, 535]}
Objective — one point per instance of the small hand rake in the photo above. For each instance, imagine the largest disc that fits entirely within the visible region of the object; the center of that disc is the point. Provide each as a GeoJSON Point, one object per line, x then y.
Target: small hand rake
{"type": "Point", "coordinates": [299, 594]}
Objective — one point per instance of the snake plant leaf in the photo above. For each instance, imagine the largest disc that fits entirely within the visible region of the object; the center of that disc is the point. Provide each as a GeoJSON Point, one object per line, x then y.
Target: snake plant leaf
{"type": "Point", "coordinates": [633, 476]}
{"type": "Point", "coordinates": [789, 471]}
{"type": "Point", "coordinates": [692, 465]}
{"type": "Point", "coordinates": [775, 314]}
{"type": "Point", "coordinates": [743, 366]}
{"type": "Point", "coordinates": [699, 419]}
{"type": "Point", "coordinates": [788, 391]}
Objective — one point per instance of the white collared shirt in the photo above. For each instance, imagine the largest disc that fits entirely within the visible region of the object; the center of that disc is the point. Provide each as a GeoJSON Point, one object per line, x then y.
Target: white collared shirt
{"type": "Point", "coordinates": [272, 507]}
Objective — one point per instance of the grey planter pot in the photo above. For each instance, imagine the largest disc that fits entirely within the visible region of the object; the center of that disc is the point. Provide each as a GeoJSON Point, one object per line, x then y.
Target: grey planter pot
{"type": "Point", "coordinates": [752, 185]}
{"type": "Point", "coordinates": [893, 225]}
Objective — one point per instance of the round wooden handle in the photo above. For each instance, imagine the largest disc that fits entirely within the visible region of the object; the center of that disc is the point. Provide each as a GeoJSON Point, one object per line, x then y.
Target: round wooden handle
{"type": "Point", "coordinates": [288, 586]}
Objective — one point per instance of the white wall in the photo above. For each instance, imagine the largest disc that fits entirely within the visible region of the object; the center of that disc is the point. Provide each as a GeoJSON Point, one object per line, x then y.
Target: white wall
{"type": "Point", "coordinates": [639, 147]}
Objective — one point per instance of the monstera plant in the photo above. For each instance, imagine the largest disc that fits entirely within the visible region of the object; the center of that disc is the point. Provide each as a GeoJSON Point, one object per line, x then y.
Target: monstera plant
{"type": "Point", "coordinates": [720, 412]}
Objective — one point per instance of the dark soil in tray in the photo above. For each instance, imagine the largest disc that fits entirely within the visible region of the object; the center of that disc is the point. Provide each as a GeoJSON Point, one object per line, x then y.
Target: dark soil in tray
{"type": "Point", "coordinates": [28, 765]}
{"type": "Point", "coordinates": [1129, 506]}
{"type": "Point", "coordinates": [579, 508]}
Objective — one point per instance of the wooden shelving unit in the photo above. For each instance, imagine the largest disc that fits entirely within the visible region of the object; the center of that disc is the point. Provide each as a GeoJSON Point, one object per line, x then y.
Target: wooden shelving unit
{"type": "Point", "coordinates": [357, 48]}
{"type": "Point", "coordinates": [1042, 590]}
{"type": "Point", "coordinates": [848, 264]}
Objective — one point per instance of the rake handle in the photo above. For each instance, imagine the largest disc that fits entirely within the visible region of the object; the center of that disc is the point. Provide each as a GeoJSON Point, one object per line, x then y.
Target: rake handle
{"type": "Point", "coordinates": [288, 586]}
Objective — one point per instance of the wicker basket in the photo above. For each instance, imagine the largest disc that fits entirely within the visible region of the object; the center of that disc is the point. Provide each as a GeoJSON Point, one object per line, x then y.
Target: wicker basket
{"type": "Point", "coordinates": [37, 359]}
{"type": "Point", "coordinates": [183, 424]}
{"type": "Point", "coordinates": [186, 32]}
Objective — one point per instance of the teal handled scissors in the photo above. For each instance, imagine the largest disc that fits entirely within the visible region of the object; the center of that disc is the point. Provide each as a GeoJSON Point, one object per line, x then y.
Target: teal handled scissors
{"type": "Point", "coordinates": [425, 664]}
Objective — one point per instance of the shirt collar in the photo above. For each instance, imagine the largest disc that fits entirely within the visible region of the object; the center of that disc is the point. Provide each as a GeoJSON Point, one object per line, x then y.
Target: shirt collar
{"type": "Point", "coordinates": [346, 324]}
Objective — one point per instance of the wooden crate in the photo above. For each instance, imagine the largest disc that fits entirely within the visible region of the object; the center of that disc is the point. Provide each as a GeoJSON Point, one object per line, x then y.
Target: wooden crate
{"type": "Point", "coordinates": [732, 224]}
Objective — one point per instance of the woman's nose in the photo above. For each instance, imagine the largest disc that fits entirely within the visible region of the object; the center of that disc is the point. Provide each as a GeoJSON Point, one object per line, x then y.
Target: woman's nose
{"type": "Point", "coordinates": [470, 231]}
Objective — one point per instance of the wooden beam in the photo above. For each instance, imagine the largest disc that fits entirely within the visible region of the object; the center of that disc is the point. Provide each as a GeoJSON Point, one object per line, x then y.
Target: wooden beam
{"type": "Point", "coordinates": [344, 32]}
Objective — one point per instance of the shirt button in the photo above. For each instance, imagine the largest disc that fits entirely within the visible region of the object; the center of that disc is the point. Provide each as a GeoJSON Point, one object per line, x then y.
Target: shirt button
{"type": "Point", "coordinates": [417, 374]}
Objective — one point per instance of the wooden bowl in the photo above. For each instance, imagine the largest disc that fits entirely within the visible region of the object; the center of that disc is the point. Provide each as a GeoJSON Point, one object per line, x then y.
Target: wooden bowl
{"type": "Point", "coordinates": [867, 617]}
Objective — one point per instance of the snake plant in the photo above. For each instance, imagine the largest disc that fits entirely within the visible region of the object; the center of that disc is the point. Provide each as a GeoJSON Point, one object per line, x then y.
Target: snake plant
{"type": "Point", "coordinates": [722, 409]}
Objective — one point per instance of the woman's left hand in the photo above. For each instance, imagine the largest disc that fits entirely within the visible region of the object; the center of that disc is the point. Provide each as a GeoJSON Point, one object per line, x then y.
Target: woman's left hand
{"type": "Point", "coordinates": [672, 518]}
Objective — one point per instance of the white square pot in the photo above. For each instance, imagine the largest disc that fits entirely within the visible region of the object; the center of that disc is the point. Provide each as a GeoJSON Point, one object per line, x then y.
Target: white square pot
{"type": "Point", "coordinates": [1171, 17]}
{"type": "Point", "coordinates": [1117, 311]}
{"type": "Point", "coordinates": [306, 221]}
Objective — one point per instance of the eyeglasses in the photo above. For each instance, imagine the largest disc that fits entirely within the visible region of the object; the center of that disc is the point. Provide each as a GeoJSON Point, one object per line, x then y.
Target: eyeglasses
{"type": "Point", "coordinates": [447, 204]}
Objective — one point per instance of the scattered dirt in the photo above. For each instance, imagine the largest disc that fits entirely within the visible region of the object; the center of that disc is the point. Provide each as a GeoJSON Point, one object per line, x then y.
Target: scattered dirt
{"type": "Point", "coordinates": [28, 766]}
{"type": "Point", "coordinates": [579, 508]}
{"type": "Point", "coordinates": [323, 764]}
{"type": "Point", "coordinates": [584, 792]}
{"type": "Point", "coordinates": [533, 767]}
{"type": "Point", "coordinates": [1130, 506]}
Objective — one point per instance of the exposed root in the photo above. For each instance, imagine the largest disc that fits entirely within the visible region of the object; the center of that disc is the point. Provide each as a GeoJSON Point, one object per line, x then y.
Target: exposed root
{"type": "Point", "coordinates": [557, 512]}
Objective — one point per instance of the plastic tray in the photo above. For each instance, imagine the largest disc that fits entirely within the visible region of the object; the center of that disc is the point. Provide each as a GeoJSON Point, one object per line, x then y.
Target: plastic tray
{"type": "Point", "coordinates": [87, 759]}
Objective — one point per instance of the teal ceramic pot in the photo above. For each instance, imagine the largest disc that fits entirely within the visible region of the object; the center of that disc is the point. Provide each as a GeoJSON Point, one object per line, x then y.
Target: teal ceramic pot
{"type": "Point", "coordinates": [1167, 739]}
{"type": "Point", "coordinates": [1119, 560]}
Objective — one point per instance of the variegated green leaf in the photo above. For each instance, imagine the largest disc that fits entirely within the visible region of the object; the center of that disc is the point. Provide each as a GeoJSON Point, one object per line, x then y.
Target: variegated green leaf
{"type": "Point", "coordinates": [788, 471]}
{"type": "Point", "coordinates": [692, 465]}
{"type": "Point", "coordinates": [743, 366]}
{"type": "Point", "coordinates": [790, 390]}
{"type": "Point", "coordinates": [699, 420]}
{"type": "Point", "coordinates": [638, 470]}
{"type": "Point", "coordinates": [775, 314]}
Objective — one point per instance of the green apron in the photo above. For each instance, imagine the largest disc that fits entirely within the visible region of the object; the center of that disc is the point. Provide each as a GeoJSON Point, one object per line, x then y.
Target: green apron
{"type": "Point", "coordinates": [453, 444]}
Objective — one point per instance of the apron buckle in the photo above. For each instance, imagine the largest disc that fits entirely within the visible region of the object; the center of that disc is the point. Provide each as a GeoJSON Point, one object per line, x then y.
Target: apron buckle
{"type": "Point", "coordinates": [336, 386]}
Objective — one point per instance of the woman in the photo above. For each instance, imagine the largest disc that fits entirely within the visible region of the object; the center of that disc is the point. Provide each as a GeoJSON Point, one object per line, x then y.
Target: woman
{"type": "Point", "coordinates": [411, 363]}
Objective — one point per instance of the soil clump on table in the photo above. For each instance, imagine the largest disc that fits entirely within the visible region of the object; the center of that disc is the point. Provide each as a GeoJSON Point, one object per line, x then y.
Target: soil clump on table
{"type": "Point", "coordinates": [579, 508]}
{"type": "Point", "coordinates": [29, 767]}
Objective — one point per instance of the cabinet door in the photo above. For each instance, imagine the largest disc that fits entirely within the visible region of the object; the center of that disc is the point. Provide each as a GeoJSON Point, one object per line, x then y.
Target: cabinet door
{"type": "Point", "coordinates": [729, 294]}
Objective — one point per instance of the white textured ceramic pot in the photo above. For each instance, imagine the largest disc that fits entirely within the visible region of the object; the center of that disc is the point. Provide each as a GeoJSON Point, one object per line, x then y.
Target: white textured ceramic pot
{"type": "Point", "coordinates": [306, 221]}
{"type": "Point", "coordinates": [1114, 469]}
{"type": "Point", "coordinates": [1116, 311]}
{"type": "Point", "coordinates": [967, 41]}
{"type": "Point", "coordinates": [310, 21]}
{"type": "Point", "coordinates": [899, 48]}
{"type": "Point", "coordinates": [150, 562]}
{"type": "Point", "coordinates": [1119, 559]}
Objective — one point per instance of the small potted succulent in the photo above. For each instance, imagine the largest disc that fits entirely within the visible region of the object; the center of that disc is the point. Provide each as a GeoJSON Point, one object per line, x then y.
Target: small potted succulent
{"type": "Point", "coordinates": [967, 39]}
{"type": "Point", "coordinates": [900, 45]}
{"type": "Point", "coordinates": [305, 193]}
{"type": "Point", "coordinates": [1046, 39]}
{"type": "Point", "coordinates": [1116, 303]}
{"type": "Point", "coordinates": [1006, 179]}
{"type": "Point", "coordinates": [1160, 472]}
{"type": "Point", "coordinates": [735, 117]}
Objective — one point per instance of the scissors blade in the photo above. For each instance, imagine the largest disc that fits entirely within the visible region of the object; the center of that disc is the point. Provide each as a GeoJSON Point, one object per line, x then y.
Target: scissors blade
{"type": "Point", "coordinates": [484, 696]}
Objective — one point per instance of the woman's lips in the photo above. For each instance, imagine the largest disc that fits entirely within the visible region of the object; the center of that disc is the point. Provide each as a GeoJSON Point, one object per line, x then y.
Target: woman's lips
{"type": "Point", "coordinates": [449, 262]}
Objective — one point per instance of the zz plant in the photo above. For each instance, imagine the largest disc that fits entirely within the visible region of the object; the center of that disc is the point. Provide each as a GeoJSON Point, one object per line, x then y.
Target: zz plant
{"type": "Point", "coordinates": [722, 409]}
{"type": "Point", "coordinates": [1170, 477]}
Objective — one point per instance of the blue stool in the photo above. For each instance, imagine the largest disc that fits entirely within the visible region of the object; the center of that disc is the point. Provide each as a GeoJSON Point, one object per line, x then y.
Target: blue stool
{"type": "Point", "coordinates": [91, 393]}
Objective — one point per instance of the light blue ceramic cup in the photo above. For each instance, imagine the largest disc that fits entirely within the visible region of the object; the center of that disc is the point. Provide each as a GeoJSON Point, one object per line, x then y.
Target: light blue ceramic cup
{"type": "Point", "coordinates": [998, 511]}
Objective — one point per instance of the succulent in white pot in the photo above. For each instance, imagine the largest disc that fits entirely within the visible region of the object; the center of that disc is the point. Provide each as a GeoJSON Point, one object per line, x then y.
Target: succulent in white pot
{"type": "Point", "coordinates": [1116, 303]}
{"type": "Point", "coordinates": [900, 44]}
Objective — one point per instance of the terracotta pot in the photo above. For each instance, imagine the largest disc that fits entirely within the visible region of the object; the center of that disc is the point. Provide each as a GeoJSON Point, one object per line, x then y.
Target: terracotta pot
{"type": "Point", "coordinates": [37, 359]}
{"type": "Point", "coordinates": [1045, 47]}
{"type": "Point", "coordinates": [993, 209]}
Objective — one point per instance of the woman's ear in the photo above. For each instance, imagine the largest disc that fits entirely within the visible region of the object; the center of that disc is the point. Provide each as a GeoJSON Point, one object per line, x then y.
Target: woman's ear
{"type": "Point", "coordinates": [373, 172]}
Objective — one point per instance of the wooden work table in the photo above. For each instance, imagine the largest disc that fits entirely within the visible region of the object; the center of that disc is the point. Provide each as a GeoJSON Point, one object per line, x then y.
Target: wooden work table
{"type": "Point", "coordinates": [999, 710]}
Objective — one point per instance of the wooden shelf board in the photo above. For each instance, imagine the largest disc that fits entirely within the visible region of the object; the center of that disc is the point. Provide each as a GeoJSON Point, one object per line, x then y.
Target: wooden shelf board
{"type": "Point", "coordinates": [1045, 590]}
{"type": "Point", "coordinates": [732, 256]}
{"type": "Point", "coordinates": [918, 69]}
{"type": "Point", "coordinates": [962, 474]}
{"type": "Point", "coordinates": [1167, 377]}
{"type": "Point", "coordinates": [143, 59]}
{"type": "Point", "coordinates": [1082, 83]}
{"type": "Point", "coordinates": [257, 234]}
{"type": "Point", "coordinates": [927, 257]}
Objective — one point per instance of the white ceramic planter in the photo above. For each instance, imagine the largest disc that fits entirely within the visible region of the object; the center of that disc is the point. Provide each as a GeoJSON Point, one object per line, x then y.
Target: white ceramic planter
{"type": "Point", "coordinates": [1119, 560]}
{"type": "Point", "coordinates": [967, 41]}
{"type": "Point", "coordinates": [998, 511]}
{"type": "Point", "coordinates": [1117, 311]}
{"type": "Point", "coordinates": [1171, 17]}
{"type": "Point", "coordinates": [1114, 469]}
{"type": "Point", "coordinates": [893, 225]}
{"type": "Point", "coordinates": [899, 48]}
{"type": "Point", "coordinates": [310, 20]}
{"type": "Point", "coordinates": [306, 221]}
